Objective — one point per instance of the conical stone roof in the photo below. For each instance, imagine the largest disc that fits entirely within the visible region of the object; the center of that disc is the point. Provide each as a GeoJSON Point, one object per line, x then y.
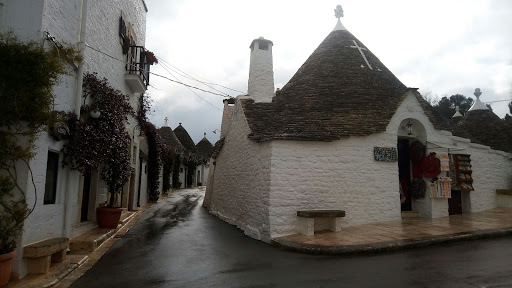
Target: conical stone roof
{"type": "Point", "coordinates": [170, 138]}
{"type": "Point", "coordinates": [341, 90]}
{"type": "Point", "coordinates": [205, 149]}
{"type": "Point", "coordinates": [487, 128]}
{"type": "Point", "coordinates": [185, 139]}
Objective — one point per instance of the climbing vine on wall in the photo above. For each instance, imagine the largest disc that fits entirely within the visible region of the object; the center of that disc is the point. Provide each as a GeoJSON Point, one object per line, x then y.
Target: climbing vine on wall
{"type": "Point", "coordinates": [155, 147]}
{"type": "Point", "coordinates": [101, 143]}
{"type": "Point", "coordinates": [154, 160]}
{"type": "Point", "coordinates": [30, 71]}
{"type": "Point", "coordinates": [169, 157]}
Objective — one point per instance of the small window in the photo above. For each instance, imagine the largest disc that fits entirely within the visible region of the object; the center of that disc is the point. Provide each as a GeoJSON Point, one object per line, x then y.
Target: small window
{"type": "Point", "coordinates": [52, 168]}
{"type": "Point", "coordinates": [263, 45]}
{"type": "Point", "coordinates": [181, 170]}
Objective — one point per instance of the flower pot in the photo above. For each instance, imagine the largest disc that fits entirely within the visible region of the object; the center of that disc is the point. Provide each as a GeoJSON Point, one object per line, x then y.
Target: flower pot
{"type": "Point", "coordinates": [108, 217]}
{"type": "Point", "coordinates": [5, 267]}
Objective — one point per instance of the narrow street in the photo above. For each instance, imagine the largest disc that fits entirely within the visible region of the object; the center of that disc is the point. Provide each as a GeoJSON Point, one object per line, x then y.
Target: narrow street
{"type": "Point", "coordinates": [177, 243]}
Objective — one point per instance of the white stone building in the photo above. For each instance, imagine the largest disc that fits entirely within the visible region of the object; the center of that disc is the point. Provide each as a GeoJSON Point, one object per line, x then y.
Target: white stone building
{"type": "Point", "coordinates": [66, 205]}
{"type": "Point", "coordinates": [205, 151]}
{"type": "Point", "coordinates": [332, 138]}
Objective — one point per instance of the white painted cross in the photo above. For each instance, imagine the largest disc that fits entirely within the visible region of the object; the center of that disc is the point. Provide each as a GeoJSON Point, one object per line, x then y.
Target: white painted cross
{"type": "Point", "coordinates": [362, 54]}
{"type": "Point", "coordinates": [166, 119]}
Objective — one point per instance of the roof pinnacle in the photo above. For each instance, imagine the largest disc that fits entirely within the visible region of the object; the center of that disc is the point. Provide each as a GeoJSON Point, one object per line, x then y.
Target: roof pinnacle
{"type": "Point", "coordinates": [478, 105]}
{"type": "Point", "coordinates": [457, 113]}
{"type": "Point", "coordinates": [338, 13]}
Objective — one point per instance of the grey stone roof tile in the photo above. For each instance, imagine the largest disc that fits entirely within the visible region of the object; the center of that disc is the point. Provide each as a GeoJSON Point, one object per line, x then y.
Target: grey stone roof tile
{"type": "Point", "coordinates": [185, 139]}
{"type": "Point", "coordinates": [170, 138]}
{"type": "Point", "coordinates": [334, 94]}
{"type": "Point", "coordinates": [205, 149]}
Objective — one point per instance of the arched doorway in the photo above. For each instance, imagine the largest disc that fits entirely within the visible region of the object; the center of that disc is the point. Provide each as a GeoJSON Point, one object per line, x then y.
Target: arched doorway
{"type": "Point", "coordinates": [409, 131]}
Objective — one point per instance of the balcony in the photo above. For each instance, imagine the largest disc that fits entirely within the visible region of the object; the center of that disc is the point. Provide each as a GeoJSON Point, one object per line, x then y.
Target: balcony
{"type": "Point", "coordinates": [137, 68]}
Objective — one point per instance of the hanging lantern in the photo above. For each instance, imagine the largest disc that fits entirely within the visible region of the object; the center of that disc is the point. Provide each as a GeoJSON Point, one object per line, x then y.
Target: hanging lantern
{"type": "Point", "coordinates": [409, 128]}
{"type": "Point", "coordinates": [95, 113]}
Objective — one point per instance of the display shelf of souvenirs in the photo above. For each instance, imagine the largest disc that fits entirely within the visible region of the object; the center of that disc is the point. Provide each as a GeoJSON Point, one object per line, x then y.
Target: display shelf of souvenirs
{"type": "Point", "coordinates": [462, 165]}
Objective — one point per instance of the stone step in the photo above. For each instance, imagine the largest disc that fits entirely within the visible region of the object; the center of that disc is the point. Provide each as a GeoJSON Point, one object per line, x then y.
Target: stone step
{"type": "Point", "coordinates": [126, 216]}
{"type": "Point", "coordinates": [89, 241]}
{"type": "Point", "coordinates": [410, 214]}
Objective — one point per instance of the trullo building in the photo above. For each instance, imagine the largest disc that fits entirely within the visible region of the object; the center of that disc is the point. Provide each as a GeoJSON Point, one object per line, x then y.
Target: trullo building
{"type": "Point", "coordinates": [343, 133]}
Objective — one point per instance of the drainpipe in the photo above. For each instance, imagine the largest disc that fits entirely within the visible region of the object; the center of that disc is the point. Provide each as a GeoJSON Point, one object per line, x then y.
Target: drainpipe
{"type": "Point", "coordinates": [81, 47]}
{"type": "Point", "coordinates": [77, 100]}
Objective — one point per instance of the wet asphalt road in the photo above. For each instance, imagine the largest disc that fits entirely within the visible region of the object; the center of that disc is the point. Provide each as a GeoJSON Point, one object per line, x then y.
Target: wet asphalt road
{"type": "Point", "coordinates": [177, 243]}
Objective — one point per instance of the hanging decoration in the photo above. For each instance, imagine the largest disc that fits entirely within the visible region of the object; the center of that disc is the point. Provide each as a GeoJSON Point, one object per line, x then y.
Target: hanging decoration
{"type": "Point", "coordinates": [431, 166]}
{"type": "Point", "coordinates": [440, 188]}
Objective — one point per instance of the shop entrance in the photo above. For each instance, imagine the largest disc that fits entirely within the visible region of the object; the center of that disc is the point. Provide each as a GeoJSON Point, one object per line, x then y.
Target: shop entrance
{"type": "Point", "coordinates": [455, 203]}
{"type": "Point", "coordinates": [404, 174]}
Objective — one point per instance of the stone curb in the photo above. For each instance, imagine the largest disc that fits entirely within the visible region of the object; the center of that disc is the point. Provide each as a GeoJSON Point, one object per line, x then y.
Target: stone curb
{"type": "Point", "coordinates": [66, 272]}
{"type": "Point", "coordinates": [389, 246]}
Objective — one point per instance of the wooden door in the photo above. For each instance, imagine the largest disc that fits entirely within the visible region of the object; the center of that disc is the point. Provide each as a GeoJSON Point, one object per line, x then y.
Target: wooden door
{"type": "Point", "coordinates": [455, 203]}
{"type": "Point", "coordinates": [84, 212]}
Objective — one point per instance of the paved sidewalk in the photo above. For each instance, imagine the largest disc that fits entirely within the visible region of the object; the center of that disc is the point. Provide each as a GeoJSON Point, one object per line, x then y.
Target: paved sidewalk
{"type": "Point", "coordinates": [62, 275]}
{"type": "Point", "coordinates": [402, 234]}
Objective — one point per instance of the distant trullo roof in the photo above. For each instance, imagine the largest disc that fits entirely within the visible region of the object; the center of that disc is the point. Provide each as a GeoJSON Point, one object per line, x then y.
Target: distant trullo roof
{"type": "Point", "coordinates": [205, 148]}
{"type": "Point", "coordinates": [341, 90]}
{"type": "Point", "coordinates": [485, 127]}
{"type": "Point", "coordinates": [185, 139]}
{"type": "Point", "coordinates": [170, 138]}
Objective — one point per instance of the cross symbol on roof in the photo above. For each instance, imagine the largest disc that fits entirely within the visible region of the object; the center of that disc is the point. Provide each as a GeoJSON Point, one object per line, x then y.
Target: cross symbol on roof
{"type": "Point", "coordinates": [166, 119]}
{"type": "Point", "coordinates": [362, 54]}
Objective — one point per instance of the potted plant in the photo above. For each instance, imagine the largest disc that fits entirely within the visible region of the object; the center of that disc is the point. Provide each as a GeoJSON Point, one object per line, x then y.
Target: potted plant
{"type": "Point", "coordinates": [14, 213]}
{"type": "Point", "coordinates": [101, 143]}
{"type": "Point", "coordinates": [151, 58]}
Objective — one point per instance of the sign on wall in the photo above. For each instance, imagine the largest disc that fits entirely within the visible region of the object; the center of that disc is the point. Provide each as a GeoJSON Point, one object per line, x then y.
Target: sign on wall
{"type": "Point", "coordinates": [387, 154]}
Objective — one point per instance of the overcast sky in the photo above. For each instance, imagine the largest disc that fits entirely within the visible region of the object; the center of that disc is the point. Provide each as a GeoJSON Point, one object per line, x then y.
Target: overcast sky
{"type": "Point", "coordinates": [443, 47]}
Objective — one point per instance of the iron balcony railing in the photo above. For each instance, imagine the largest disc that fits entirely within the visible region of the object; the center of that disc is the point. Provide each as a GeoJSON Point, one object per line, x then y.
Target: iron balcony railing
{"type": "Point", "coordinates": [137, 63]}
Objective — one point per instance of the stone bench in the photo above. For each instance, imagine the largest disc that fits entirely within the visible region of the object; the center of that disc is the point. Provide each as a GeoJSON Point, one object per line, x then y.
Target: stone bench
{"type": "Point", "coordinates": [40, 255]}
{"type": "Point", "coordinates": [306, 221]}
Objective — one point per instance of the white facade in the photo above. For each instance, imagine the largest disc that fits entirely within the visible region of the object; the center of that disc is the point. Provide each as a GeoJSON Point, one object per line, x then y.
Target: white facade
{"type": "Point", "coordinates": [202, 173]}
{"type": "Point", "coordinates": [103, 54]}
{"type": "Point", "coordinates": [259, 187]}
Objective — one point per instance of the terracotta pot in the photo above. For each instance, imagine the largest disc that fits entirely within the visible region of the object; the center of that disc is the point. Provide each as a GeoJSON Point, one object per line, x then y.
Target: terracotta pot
{"type": "Point", "coordinates": [5, 267]}
{"type": "Point", "coordinates": [108, 217]}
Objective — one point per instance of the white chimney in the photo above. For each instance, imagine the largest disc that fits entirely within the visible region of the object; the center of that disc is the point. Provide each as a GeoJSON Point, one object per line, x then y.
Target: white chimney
{"type": "Point", "coordinates": [261, 71]}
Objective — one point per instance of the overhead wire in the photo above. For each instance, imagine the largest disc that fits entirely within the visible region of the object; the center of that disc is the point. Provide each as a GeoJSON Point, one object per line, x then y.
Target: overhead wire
{"type": "Point", "coordinates": [192, 90]}
{"type": "Point", "coordinates": [506, 100]}
{"type": "Point", "coordinates": [183, 74]}
{"type": "Point", "coordinates": [152, 73]}
{"type": "Point", "coordinates": [189, 76]}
